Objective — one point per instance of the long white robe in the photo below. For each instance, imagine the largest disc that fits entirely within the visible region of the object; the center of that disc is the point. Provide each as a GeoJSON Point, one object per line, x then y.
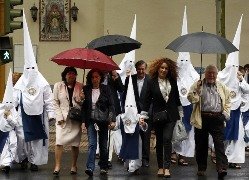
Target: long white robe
{"type": "Point", "coordinates": [235, 149]}
{"type": "Point", "coordinates": [35, 150]}
{"type": "Point", "coordinates": [133, 164]}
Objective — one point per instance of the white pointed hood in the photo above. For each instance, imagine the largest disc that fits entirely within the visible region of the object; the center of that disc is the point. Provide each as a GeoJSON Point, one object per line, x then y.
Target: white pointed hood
{"type": "Point", "coordinates": [127, 64]}
{"type": "Point", "coordinates": [187, 75]}
{"type": "Point", "coordinates": [8, 94]}
{"type": "Point", "coordinates": [31, 83]}
{"type": "Point", "coordinates": [130, 117]}
{"type": "Point", "coordinates": [229, 74]}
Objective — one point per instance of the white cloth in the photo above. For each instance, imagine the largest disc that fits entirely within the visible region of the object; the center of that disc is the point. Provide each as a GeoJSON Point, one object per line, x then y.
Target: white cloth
{"type": "Point", "coordinates": [187, 75]}
{"type": "Point", "coordinates": [115, 143]}
{"type": "Point", "coordinates": [32, 84]}
{"type": "Point", "coordinates": [186, 147]}
{"type": "Point", "coordinates": [34, 150]}
{"type": "Point", "coordinates": [8, 154]}
{"type": "Point", "coordinates": [7, 125]}
{"type": "Point", "coordinates": [235, 150]}
{"type": "Point", "coordinates": [132, 164]}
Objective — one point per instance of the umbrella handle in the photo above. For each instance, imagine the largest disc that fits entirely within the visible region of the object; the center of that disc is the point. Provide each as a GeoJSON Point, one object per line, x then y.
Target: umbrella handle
{"type": "Point", "coordinates": [84, 71]}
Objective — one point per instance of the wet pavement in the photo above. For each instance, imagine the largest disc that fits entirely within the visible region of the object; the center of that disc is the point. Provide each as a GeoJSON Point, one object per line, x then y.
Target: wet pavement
{"type": "Point", "coordinates": [118, 171]}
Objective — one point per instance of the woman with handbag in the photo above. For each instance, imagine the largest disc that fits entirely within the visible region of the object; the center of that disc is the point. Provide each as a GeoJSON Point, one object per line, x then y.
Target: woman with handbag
{"type": "Point", "coordinates": [164, 97]}
{"type": "Point", "coordinates": [68, 95]}
{"type": "Point", "coordinates": [98, 114]}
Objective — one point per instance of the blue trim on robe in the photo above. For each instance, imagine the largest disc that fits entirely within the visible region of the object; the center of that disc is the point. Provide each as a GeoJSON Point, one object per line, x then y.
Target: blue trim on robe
{"type": "Point", "coordinates": [33, 126]}
{"type": "Point", "coordinates": [130, 143]}
{"type": "Point", "coordinates": [232, 125]}
{"type": "Point", "coordinates": [187, 110]}
{"type": "Point", "coordinates": [3, 139]}
{"type": "Point", "coordinates": [245, 117]}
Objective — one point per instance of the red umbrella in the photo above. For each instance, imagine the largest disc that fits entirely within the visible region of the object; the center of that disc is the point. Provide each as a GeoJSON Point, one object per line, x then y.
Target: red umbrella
{"type": "Point", "coordinates": [85, 59]}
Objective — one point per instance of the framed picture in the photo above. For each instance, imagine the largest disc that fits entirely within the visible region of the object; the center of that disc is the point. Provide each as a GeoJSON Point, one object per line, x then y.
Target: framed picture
{"type": "Point", "coordinates": [55, 20]}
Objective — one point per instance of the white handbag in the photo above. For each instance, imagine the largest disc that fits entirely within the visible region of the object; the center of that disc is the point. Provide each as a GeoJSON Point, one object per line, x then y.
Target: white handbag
{"type": "Point", "coordinates": [179, 132]}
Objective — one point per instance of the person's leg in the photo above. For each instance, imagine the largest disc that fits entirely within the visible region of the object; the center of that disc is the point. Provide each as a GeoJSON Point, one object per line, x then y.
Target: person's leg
{"type": "Point", "coordinates": [103, 149]}
{"type": "Point", "coordinates": [58, 154]}
{"type": "Point", "coordinates": [75, 153]}
{"type": "Point", "coordinates": [145, 136]}
{"type": "Point", "coordinates": [167, 145]}
{"type": "Point", "coordinates": [92, 145]}
{"type": "Point", "coordinates": [217, 132]}
{"type": "Point", "coordinates": [159, 145]}
{"type": "Point", "coordinates": [201, 148]}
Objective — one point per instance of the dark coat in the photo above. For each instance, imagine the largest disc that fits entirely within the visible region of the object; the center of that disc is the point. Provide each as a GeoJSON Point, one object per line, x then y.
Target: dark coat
{"type": "Point", "coordinates": [105, 101]}
{"type": "Point", "coordinates": [116, 87]}
{"type": "Point", "coordinates": [155, 97]}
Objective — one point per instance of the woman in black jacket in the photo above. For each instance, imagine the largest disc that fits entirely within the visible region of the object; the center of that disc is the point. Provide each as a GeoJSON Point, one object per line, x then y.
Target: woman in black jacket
{"type": "Point", "coordinates": [163, 95]}
{"type": "Point", "coordinates": [99, 96]}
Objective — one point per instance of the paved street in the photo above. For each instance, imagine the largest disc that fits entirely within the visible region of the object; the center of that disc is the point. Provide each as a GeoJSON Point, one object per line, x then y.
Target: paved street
{"type": "Point", "coordinates": [118, 172]}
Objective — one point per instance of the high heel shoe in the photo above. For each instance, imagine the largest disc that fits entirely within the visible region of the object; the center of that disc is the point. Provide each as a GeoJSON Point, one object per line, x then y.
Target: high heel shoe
{"type": "Point", "coordinates": [73, 171]}
{"type": "Point", "coordinates": [56, 173]}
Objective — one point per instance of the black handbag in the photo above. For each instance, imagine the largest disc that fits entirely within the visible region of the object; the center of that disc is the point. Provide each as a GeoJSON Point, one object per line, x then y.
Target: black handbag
{"type": "Point", "coordinates": [160, 117]}
{"type": "Point", "coordinates": [100, 115]}
{"type": "Point", "coordinates": [75, 114]}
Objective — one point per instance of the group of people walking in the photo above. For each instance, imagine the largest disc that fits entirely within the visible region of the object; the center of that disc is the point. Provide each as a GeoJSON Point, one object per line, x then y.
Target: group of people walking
{"type": "Point", "coordinates": [131, 108]}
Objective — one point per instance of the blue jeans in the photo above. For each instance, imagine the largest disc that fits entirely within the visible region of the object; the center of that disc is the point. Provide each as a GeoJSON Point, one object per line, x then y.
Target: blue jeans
{"type": "Point", "coordinates": [92, 146]}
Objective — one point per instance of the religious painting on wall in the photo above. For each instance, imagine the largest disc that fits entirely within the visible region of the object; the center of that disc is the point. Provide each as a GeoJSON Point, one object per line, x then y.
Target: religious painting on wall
{"type": "Point", "coordinates": [55, 19]}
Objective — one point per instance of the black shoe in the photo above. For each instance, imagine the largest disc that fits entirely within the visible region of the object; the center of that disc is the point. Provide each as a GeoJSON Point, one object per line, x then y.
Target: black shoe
{"type": "Point", "coordinates": [33, 167]}
{"type": "Point", "coordinates": [56, 173]}
{"type": "Point", "coordinates": [109, 165]}
{"type": "Point", "coordinates": [145, 163]}
{"type": "Point", "coordinates": [73, 171]}
{"type": "Point", "coordinates": [221, 174]}
{"type": "Point", "coordinates": [24, 164]}
{"type": "Point", "coordinates": [89, 172]}
{"type": "Point", "coordinates": [6, 169]}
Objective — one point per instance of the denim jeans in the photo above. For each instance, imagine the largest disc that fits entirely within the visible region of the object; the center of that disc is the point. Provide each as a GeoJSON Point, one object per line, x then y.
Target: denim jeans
{"type": "Point", "coordinates": [92, 146]}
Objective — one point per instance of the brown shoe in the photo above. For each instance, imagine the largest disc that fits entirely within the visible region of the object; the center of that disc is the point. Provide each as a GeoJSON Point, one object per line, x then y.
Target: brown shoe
{"type": "Point", "coordinates": [166, 173]}
{"type": "Point", "coordinates": [200, 173]}
{"type": "Point", "coordinates": [160, 172]}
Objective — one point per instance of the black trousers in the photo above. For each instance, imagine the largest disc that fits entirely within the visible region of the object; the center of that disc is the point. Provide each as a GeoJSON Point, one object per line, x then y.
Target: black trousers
{"type": "Point", "coordinates": [213, 125]}
{"type": "Point", "coordinates": [163, 143]}
{"type": "Point", "coordinates": [145, 137]}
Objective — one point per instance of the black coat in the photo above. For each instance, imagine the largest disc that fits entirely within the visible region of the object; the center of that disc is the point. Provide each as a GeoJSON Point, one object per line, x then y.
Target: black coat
{"type": "Point", "coordinates": [155, 97]}
{"type": "Point", "coordinates": [116, 87]}
{"type": "Point", "coordinates": [105, 100]}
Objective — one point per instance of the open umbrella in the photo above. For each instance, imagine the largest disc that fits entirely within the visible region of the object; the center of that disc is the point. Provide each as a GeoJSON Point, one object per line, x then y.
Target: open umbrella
{"type": "Point", "coordinates": [85, 59]}
{"type": "Point", "coordinates": [114, 44]}
{"type": "Point", "coordinates": [202, 43]}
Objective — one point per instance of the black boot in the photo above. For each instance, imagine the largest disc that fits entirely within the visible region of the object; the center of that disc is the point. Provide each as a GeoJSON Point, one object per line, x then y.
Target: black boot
{"type": "Point", "coordinates": [6, 169]}
{"type": "Point", "coordinates": [33, 167]}
{"type": "Point", "coordinates": [24, 164]}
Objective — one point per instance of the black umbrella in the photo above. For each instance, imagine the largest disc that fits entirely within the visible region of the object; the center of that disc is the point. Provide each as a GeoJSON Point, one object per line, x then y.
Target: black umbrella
{"type": "Point", "coordinates": [202, 43]}
{"type": "Point", "coordinates": [114, 44]}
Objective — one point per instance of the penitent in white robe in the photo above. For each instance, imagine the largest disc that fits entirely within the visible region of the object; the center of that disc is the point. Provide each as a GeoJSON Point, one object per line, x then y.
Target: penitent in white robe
{"type": "Point", "coordinates": [36, 151]}
{"type": "Point", "coordinates": [132, 164]}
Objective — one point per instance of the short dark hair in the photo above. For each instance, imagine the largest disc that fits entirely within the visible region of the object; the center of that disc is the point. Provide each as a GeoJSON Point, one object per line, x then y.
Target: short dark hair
{"type": "Point", "coordinates": [66, 70]}
{"type": "Point", "coordinates": [246, 66]}
{"type": "Point", "coordinates": [90, 73]}
{"type": "Point", "coordinates": [241, 68]}
{"type": "Point", "coordinates": [139, 63]}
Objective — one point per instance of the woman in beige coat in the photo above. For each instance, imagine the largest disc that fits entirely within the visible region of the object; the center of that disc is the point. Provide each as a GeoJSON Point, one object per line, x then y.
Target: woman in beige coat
{"type": "Point", "coordinates": [67, 93]}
